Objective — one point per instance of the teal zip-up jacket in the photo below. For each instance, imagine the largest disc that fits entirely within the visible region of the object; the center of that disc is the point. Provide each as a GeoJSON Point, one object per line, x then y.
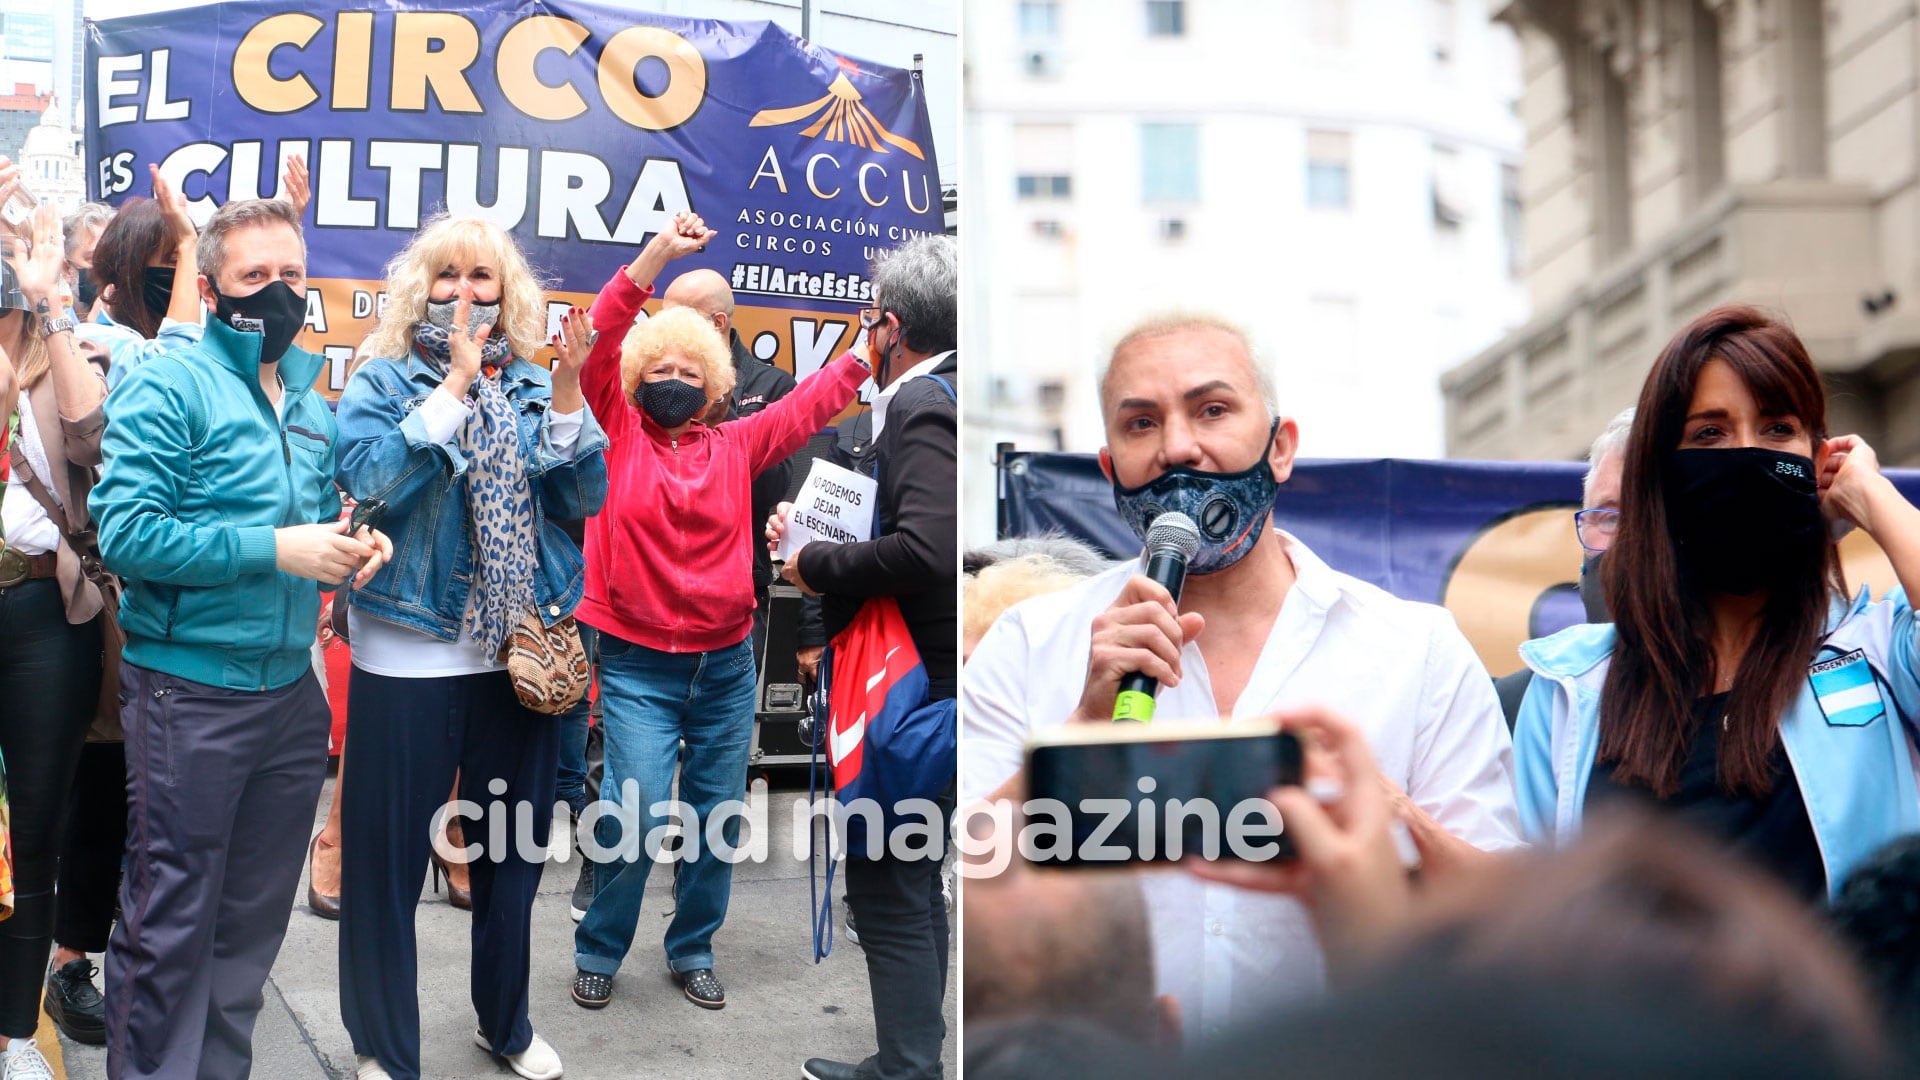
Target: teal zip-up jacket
{"type": "Point", "coordinates": [198, 474]}
{"type": "Point", "coordinates": [1848, 736]}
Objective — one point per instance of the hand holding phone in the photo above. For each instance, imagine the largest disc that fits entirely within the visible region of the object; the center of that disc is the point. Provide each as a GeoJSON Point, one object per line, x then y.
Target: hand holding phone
{"type": "Point", "coordinates": [1348, 868]}
{"type": "Point", "coordinates": [1126, 793]}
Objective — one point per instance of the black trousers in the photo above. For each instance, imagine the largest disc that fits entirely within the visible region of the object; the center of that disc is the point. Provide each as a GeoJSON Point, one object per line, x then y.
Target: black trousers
{"type": "Point", "coordinates": [220, 791]}
{"type": "Point", "coordinates": [903, 928]}
{"type": "Point", "coordinates": [49, 685]}
{"type": "Point", "coordinates": [406, 737]}
{"type": "Point", "coordinates": [96, 842]}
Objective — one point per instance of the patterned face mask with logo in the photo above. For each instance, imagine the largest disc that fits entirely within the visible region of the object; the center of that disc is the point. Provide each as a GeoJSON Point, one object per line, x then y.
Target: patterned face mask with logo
{"type": "Point", "coordinates": [1231, 509]}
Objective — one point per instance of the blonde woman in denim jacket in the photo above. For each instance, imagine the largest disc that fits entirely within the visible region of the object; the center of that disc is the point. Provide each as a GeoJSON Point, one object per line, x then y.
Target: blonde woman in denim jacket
{"type": "Point", "coordinates": [475, 450]}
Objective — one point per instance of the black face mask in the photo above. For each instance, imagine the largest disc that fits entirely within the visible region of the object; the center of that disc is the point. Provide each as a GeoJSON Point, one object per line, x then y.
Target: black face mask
{"type": "Point", "coordinates": [86, 290]}
{"type": "Point", "coordinates": [671, 402]}
{"type": "Point", "coordinates": [1593, 592]}
{"type": "Point", "coordinates": [159, 288]}
{"type": "Point", "coordinates": [276, 312]}
{"type": "Point", "coordinates": [1744, 519]}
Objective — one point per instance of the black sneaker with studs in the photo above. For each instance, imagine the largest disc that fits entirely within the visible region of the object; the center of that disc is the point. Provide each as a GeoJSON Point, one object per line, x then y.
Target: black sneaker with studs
{"type": "Point", "coordinates": [701, 987]}
{"type": "Point", "coordinates": [592, 990]}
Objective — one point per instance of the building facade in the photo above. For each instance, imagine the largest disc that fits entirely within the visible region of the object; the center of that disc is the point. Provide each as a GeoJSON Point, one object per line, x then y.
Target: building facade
{"type": "Point", "coordinates": [1685, 153]}
{"type": "Point", "coordinates": [1338, 175]}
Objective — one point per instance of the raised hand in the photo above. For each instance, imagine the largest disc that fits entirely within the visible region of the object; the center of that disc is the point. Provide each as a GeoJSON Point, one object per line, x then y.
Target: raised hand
{"type": "Point", "coordinates": [572, 344]}
{"type": "Point", "coordinates": [686, 234]}
{"type": "Point", "coordinates": [173, 207]}
{"type": "Point", "coordinates": [294, 179]}
{"type": "Point", "coordinates": [39, 266]}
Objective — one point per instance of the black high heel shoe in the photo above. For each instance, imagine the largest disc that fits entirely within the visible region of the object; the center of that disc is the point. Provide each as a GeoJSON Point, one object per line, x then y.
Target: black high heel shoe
{"type": "Point", "coordinates": [443, 871]}
{"type": "Point", "coordinates": [327, 907]}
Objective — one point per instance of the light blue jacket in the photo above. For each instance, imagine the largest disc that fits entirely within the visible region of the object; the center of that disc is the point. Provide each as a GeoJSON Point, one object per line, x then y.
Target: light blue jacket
{"type": "Point", "coordinates": [198, 473]}
{"type": "Point", "coordinates": [385, 453]}
{"type": "Point", "coordinates": [1848, 736]}
{"type": "Point", "coordinates": [126, 349]}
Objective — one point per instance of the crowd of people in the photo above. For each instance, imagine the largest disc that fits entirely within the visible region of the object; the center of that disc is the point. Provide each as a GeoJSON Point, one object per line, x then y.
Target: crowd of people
{"type": "Point", "coordinates": [498, 534]}
{"type": "Point", "coordinates": [1679, 840]}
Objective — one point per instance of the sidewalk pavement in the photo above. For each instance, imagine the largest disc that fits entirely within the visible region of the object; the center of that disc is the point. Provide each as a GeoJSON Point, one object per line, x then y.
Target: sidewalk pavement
{"type": "Point", "coordinates": [781, 1007]}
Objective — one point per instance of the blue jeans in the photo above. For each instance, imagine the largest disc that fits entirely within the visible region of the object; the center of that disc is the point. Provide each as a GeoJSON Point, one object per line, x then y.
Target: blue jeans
{"type": "Point", "coordinates": [650, 701]}
{"type": "Point", "coordinates": [571, 781]}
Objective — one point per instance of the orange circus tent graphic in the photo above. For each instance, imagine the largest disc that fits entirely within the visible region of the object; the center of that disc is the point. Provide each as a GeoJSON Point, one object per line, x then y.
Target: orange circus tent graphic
{"type": "Point", "coordinates": [842, 117]}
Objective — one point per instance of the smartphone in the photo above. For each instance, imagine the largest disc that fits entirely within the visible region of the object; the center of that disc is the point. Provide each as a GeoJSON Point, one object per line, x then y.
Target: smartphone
{"type": "Point", "coordinates": [1135, 793]}
{"type": "Point", "coordinates": [366, 515]}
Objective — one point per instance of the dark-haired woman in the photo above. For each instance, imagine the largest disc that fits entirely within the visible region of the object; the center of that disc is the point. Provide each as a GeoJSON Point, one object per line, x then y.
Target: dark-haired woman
{"type": "Point", "coordinates": [139, 313]}
{"type": "Point", "coordinates": [1738, 689]}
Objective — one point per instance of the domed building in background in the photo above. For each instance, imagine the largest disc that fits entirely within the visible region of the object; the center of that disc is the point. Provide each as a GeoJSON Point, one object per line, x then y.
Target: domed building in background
{"type": "Point", "coordinates": [50, 161]}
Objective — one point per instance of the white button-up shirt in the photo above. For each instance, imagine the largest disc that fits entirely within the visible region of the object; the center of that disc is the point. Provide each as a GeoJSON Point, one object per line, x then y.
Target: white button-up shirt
{"type": "Point", "coordinates": [1399, 670]}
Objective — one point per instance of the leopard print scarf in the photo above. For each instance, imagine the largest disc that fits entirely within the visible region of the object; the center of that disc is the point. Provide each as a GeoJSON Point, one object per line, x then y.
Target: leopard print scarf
{"type": "Point", "coordinates": [506, 551]}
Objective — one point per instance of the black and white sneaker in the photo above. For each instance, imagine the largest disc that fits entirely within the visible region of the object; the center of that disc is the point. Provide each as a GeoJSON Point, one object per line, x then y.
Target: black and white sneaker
{"type": "Point", "coordinates": [583, 889]}
{"type": "Point", "coordinates": [701, 987]}
{"type": "Point", "coordinates": [852, 934]}
{"type": "Point", "coordinates": [591, 990]}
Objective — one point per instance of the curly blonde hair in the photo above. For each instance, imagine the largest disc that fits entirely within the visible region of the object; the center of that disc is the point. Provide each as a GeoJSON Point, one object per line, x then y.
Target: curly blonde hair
{"type": "Point", "coordinates": [677, 330]}
{"type": "Point", "coordinates": [459, 241]}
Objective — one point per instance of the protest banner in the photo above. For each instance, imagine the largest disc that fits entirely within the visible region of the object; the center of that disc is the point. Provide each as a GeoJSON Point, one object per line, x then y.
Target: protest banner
{"type": "Point", "coordinates": [581, 127]}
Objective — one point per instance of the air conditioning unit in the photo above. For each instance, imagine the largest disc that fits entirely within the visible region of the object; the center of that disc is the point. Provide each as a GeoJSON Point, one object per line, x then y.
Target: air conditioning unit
{"type": "Point", "coordinates": [1173, 229]}
{"type": "Point", "coordinates": [1039, 63]}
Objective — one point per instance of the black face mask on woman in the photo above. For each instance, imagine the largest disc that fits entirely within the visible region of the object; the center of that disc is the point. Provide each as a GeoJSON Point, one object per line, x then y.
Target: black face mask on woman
{"type": "Point", "coordinates": [1744, 519]}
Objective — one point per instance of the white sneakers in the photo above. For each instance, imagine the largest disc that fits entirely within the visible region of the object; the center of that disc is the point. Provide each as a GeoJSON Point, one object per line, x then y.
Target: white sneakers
{"type": "Point", "coordinates": [536, 1062]}
{"type": "Point", "coordinates": [24, 1062]}
{"type": "Point", "coordinates": [368, 1068]}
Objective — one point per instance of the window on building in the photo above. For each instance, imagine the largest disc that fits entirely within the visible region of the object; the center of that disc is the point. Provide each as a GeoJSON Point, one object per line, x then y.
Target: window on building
{"type": "Point", "coordinates": [1449, 193]}
{"type": "Point", "coordinates": [1329, 170]}
{"type": "Point", "coordinates": [1511, 219]}
{"type": "Point", "coordinates": [1166, 18]}
{"type": "Point", "coordinates": [1039, 19]}
{"type": "Point", "coordinates": [1031, 186]}
{"type": "Point", "coordinates": [1170, 163]}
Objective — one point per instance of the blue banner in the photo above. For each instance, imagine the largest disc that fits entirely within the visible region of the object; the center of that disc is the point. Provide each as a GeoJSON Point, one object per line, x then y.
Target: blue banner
{"type": "Point", "coordinates": [582, 127]}
{"type": "Point", "coordinates": [1492, 541]}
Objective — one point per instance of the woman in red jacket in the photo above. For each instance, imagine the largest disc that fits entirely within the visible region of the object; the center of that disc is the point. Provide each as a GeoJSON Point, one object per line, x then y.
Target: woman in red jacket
{"type": "Point", "coordinates": [670, 589]}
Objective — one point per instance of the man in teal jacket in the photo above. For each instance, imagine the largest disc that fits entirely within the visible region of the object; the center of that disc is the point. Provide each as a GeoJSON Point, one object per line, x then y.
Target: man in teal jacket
{"type": "Point", "coordinates": [217, 509]}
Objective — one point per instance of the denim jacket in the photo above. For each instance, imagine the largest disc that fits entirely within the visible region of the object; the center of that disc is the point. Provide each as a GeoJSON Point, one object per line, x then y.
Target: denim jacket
{"type": "Point", "coordinates": [385, 453]}
{"type": "Point", "coordinates": [1848, 736]}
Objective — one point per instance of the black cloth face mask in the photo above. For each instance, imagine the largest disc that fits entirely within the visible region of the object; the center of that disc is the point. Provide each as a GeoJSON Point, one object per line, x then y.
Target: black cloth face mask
{"type": "Point", "coordinates": [157, 286]}
{"type": "Point", "coordinates": [86, 290]}
{"type": "Point", "coordinates": [671, 402]}
{"type": "Point", "coordinates": [276, 312]}
{"type": "Point", "coordinates": [1593, 593]}
{"type": "Point", "coordinates": [1745, 519]}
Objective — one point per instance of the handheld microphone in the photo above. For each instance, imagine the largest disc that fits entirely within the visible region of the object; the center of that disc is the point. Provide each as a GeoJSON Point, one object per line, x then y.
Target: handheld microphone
{"type": "Point", "coordinates": [1172, 540]}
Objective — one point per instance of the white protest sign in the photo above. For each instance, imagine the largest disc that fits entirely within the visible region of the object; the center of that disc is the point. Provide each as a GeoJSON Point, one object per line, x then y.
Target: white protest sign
{"type": "Point", "coordinates": [835, 504]}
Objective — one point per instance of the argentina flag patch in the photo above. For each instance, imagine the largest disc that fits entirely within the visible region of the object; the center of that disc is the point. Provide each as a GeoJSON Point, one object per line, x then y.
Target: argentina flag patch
{"type": "Point", "coordinates": [1849, 695]}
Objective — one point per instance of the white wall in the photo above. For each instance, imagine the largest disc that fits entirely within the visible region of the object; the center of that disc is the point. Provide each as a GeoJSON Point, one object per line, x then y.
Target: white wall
{"type": "Point", "coordinates": [1359, 311]}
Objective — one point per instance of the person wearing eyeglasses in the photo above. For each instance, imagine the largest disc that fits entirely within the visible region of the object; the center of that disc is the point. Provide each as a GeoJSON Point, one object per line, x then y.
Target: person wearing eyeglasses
{"type": "Point", "coordinates": [1594, 523]}
{"type": "Point", "coordinates": [1738, 689]}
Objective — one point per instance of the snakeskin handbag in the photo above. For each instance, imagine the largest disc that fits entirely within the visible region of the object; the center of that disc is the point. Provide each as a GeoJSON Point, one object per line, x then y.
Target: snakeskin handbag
{"type": "Point", "coordinates": [548, 664]}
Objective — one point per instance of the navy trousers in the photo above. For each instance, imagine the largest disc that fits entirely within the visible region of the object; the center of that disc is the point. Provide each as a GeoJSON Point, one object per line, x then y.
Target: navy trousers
{"type": "Point", "coordinates": [221, 786]}
{"type": "Point", "coordinates": [405, 740]}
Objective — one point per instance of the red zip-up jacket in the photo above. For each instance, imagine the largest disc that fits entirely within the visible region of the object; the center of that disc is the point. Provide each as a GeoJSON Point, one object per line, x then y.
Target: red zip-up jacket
{"type": "Point", "coordinates": [669, 564]}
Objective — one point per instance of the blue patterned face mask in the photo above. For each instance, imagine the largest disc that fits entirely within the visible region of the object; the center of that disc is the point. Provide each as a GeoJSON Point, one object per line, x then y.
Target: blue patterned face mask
{"type": "Point", "coordinates": [1231, 509]}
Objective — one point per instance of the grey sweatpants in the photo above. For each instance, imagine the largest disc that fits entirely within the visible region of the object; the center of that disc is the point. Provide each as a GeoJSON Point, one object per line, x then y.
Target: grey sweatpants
{"type": "Point", "coordinates": [221, 786]}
